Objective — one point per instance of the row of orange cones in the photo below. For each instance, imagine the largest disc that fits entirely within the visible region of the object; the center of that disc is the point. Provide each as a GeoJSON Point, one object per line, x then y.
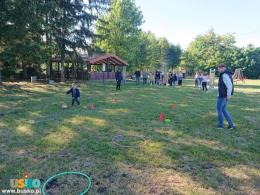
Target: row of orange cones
{"type": "Point", "coordinates": [91, 107]}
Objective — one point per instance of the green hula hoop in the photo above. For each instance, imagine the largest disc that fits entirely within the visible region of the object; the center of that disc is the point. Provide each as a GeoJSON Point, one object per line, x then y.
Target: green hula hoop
{"type": "Point", "coordinates": [68, 173]}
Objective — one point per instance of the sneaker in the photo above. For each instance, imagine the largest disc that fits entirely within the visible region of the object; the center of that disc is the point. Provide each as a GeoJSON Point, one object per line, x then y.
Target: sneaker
{"type": "Point", "coordinates": [220, 128]}
{"type": "Point", "coordinates": [230, 128]}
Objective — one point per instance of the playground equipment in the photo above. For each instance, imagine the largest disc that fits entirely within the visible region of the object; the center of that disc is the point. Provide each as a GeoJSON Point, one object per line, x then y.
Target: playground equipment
{"type": "Point", "coordinates": [211, 78]}
{"type": "Point", "coordinates": [238, 75]}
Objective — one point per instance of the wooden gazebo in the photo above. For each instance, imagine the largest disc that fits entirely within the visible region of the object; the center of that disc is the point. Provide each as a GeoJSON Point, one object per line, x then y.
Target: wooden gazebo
{"type": "Point", "coordinates": [110, 62]}
{"type": "Point", "coordinates": [99, 66]}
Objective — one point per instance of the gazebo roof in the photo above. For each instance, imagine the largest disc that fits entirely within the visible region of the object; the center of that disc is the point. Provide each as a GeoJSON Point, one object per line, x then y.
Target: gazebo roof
{"type": "Point", "coordinates": [107, 58]}
{"type": "Point", "coordinates": [97, 60]}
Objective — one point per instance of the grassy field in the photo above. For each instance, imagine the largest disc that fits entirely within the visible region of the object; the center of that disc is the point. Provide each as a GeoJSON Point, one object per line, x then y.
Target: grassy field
{"type": "Point", "coordinates": [187, 156]}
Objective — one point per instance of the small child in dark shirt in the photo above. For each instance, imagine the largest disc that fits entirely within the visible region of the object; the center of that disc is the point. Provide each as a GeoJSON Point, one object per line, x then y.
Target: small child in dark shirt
{"type": "Point", "coordinates": [75, 94]}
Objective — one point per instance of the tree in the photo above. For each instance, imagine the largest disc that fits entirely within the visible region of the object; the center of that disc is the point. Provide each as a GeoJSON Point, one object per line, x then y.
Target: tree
{"type": "Point", "coordinates": [20, 33]}
{"type": "Point", "coordinates": [251, 64]}
{"type": "Point", "coordinates": [119, 31]}
{"type": "Point", "coordinates": [208, 50]}
{"type": "Point", "coordinates": [71, 26]}
{"type": "Point", "coordinates": [32, 31]}
{"type": "Point", "coordinates": [173, 56]}
{"type": "Point", "coordinates": [164, 47]}
{"type": "Point", "coordinates": [153, 51]}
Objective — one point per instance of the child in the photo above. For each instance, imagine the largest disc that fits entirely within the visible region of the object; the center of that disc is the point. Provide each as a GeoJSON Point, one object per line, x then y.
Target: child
{"type": "Point", "coordinates": [205, 79]}
{"type": "Point", "coordinates": [170, 79]}
{"type": "Point", "coordinates": [75, 94]}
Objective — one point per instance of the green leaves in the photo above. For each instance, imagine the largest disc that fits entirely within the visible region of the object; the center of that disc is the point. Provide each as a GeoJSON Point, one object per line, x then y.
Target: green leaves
{"type": "Point", "coordinates": [209, 50]}
{"type": "Point", "coordinates": [33, 31]}
{"type": "Point", "coordinates": [121, 33]}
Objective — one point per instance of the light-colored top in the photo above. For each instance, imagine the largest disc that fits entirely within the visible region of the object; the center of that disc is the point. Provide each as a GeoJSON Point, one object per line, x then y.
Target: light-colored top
{"type": "Point", "coordinates": [180, 76]}
{"type": "Point", "coordinates": [205, 78]}
{"type": "Point", "coordinates": [228, 84]}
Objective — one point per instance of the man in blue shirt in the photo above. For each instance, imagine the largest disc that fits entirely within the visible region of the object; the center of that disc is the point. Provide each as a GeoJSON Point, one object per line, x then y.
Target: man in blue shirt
{"type": "Point", "coordinates": [225, 91]}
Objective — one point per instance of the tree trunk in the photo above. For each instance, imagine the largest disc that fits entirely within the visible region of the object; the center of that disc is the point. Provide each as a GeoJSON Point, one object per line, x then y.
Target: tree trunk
{"type": "Point", "coordinates": [62, 58]}
{"type": "Point", "coordinates": [49, 70]}
{"type": "Point", "coordinates": [49, 42]}
{"type": "Point", "coordinates": [24, 71]}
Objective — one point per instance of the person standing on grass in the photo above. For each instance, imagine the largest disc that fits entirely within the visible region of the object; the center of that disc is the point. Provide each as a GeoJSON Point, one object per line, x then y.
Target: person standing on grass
{"type": "Point", "coordinates": [145, 77]}
{"type": "Point", "coordinates": [151, 78]}
{"type": "Point", "coordinates": [137, 76]}
{"type": "Point", "coordinates": [225, 91]}
{"type": "Point", "coordinates": [174, 78]}
{"type": "Point", "coordinates": [180, 78]}
{"type": "Point", "coordinates": [119, 78]}
{"type": "Point", "coordinates": [75, 94]}
{"type": "Point", "coordinates": [205, 79]}
{"type": "Point", "coordinates": [157, 77]}
{"type": "Point", "coordinates": [170, 78]}
{"type": "Point", "coordinates": [162, 78]}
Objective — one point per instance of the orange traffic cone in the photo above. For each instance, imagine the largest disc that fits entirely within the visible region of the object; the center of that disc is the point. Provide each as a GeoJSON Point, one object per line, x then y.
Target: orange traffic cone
{"type": "Point", "coordinates": [161, 117]}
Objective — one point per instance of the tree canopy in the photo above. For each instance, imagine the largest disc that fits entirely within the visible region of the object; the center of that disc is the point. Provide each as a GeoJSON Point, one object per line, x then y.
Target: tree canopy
{"type": "Point", "coordinates": [210, 49]}
{"type": "Point", "coordinates": [32, 32]}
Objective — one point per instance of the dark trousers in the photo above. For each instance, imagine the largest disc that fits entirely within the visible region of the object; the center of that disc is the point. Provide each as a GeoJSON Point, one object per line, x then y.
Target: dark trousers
{"type": "Point", "coordinates": [157, 81]}
{"type": "Point", "coordinates": [75, 100]}
{"type": "Point", "coordinates": [204, 86]}
{"type": "Point", "coordinates": [179, 82]}
{"type": "Point", "coordinates": [144, 81]}
{"type": "Point", "coordinates": [137, 80]}
{"type": "Point", "coordinates": [170, 81]}
{"type": "Point", "coordinates": [118, 84]}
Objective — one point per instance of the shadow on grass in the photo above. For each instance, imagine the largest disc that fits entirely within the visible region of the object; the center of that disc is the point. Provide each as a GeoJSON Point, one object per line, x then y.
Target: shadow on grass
{"type": "Point", "coordinates": [48, 148]}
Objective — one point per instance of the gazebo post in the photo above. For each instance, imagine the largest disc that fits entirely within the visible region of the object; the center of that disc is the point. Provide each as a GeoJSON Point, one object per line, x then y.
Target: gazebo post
{"type": "Point", "coordinates": [88, 70]}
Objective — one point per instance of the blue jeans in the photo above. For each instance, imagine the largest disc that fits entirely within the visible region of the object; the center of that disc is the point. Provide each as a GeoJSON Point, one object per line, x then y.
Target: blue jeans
{"type": "Point", "coordinates": [137, 80]}
{"type": "Point", "coordinates": [222, 110]}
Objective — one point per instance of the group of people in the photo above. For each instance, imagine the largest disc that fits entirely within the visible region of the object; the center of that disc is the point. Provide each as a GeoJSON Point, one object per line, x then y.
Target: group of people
{"type": "Point", "coordinates": [158, 78]}
{"type": "Point", "coordinates": [201, 80]}
{"type": "Point", "coordinates": [174, 79]}
{"type": "Point", "coordinates": [225, 89]}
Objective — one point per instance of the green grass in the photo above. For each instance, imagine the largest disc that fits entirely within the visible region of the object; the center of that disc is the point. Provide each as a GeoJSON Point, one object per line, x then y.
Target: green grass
{"type": "Point", "coordinates": [187, 156]}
